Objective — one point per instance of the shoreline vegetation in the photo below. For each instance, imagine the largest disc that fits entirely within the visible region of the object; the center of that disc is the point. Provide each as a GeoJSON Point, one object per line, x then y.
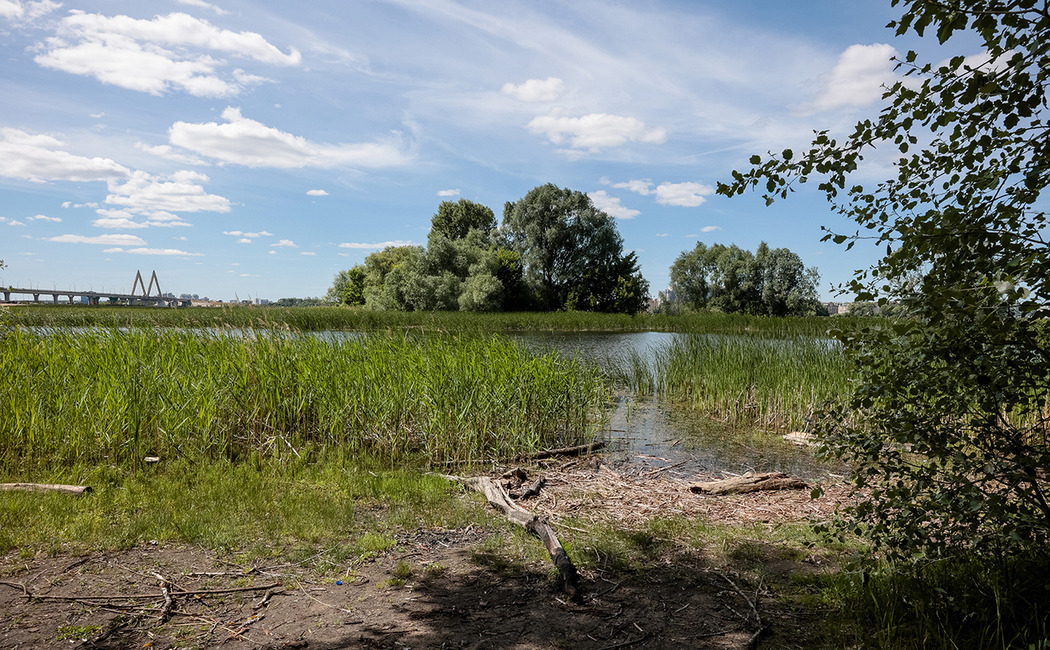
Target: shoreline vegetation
{"type": "Point", "coordinates": [281, 445]}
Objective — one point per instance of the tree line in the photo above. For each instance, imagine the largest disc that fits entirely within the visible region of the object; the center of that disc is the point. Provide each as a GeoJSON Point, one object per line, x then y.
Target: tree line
{"type": "Point", "coordinates": [554, 250]}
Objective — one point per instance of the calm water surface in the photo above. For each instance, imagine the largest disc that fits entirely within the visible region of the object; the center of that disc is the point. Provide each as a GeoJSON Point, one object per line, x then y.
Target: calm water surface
{"type": "Point", "coordinates": [665, 435]}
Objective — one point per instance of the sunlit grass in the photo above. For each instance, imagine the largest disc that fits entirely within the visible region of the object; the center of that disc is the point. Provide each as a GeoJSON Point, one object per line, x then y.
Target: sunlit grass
{"type": "Point", "coordinates": [115, 397]}
{"type": "Point", "coordinates": [770, 383]}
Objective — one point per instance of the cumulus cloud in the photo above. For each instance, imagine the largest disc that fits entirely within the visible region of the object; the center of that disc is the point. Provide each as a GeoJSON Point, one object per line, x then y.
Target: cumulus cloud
{"type": "Point", "coordinates": [308, 253]}
{"type": "Point", "coordinates": [14, 222]}
{"type": "Point", "coordinates": [43, 217]}
{"type": "Point", "coordinates": [39, 158]}
{"type": "Point", "coordinates": [858, 79]}
{"type": "Point", "coordinates": [448, 192]}
{"type": "Point", "coordinates": [179, 192]}
{"type": "Point", "coordinates": [285, 243]}
{"type": "Point", "coordinates": [128, 220]}
{"type": "Point", "coordinates": [611, 205]}
{"type": "Point", "coordinates": [103, 240]}
{"type": "Point", "coordinates": [157, 55]}
{"type": "Point", "coordinates": [710, 229]}
{"type": "Point", "coordinates": [377, 245]}
{"type": "Point", "coordinates": [316, 193]}
{"type": "Point", "coordinates": [243, 141]}
{"type": "Point", "coordinates": [686, 194]}
{"type": "Point", "coordinates": [596, 131]}
{"type": "Point", "coordinates": [536, 90]}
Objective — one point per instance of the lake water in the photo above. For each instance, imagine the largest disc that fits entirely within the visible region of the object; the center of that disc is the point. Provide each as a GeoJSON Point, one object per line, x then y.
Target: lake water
{"type": "Point", "coordinates": [644, 430]}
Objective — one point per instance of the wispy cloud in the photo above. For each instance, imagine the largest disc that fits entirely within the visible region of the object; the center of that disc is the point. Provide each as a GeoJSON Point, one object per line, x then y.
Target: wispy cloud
{"type": "Point", "coordinates": [316, 193]}
{"type": "Point", "coordinates": [596, 131]}
{"type": "Point", "coordinates": [243, 141]}
{"type": "Point", "coordinates": [535, 90]}
{"type": "Point", "coordinates": [104, 240]}
{"type": "Point", "coordinates": [377, 245]}
{"type": "Point", "coordinates": [448, 192]}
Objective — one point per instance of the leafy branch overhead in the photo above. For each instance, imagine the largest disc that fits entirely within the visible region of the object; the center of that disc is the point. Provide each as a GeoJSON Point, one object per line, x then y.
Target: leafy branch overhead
{"type": "Point", "coordinates": [952, 444]}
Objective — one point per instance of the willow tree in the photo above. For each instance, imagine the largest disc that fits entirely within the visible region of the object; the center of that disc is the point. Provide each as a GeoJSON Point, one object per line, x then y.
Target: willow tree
{"type": "Point", "coordinates": [951, 446]}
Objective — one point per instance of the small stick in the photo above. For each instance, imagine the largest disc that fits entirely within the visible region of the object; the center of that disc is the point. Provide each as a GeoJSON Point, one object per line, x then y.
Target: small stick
{"type": "Point", "coordinates": [46, 487]}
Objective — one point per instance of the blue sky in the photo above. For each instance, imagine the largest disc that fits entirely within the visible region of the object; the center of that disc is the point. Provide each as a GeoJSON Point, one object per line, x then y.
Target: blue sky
{"type": "Point", "coordinates": [253, 149]}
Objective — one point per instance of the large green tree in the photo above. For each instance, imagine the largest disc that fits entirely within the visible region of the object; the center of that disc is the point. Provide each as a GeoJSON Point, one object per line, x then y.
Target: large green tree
{"type": "Point", "coordinates": [572, 253]}
{"type": "Point", "coordinates": [948, 426]}
{"type": "Point", "coordinates": [771, 281]}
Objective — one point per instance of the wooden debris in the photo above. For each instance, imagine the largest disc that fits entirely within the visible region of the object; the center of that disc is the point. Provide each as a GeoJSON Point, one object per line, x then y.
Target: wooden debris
{"type": "Point", "coordinates": [46, 487]}
{"type": "Point", "coordinates": [568, 451]}
{"type": "Point", "coordinates": [538, 526]}
{"type": "Point", "coordinates": [801, 438]}
{"type": "Point", "coordinates": [749, 483]}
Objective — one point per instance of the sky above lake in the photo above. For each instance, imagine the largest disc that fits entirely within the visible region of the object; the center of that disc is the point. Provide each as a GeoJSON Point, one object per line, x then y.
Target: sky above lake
{"type": "Point", "coordinates": [253, 149]}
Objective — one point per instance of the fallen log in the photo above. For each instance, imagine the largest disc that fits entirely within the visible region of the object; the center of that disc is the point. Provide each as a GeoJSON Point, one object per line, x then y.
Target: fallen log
{"type": "Point", "coordinates": [538, 526]}
{"type": "Point", "coordinates": [579, 450]}
{"type": "Point", "coordinates": [46, 487]}
{"type": "Point", "coordinates": [749, 483]}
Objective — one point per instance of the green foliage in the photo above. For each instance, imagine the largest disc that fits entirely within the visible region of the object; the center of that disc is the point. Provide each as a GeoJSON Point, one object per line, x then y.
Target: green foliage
{"type": "Point", "coordinates": [112, 396]}
{"type": "Point", "coordinates": [348, 287]}
{"type": "Point", "coordinates": [771, 282]}
{"type": "Point", "coordinates": [954, 443]}
{"type": "Point", "coordinates": [456, 220]}
{"type": "Point", "coordinates": [571, 253]}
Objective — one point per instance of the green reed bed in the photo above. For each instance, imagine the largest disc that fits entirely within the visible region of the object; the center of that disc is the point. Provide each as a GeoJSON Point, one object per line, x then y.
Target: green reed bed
{"type": "Point", "coordinates": [116, 396]}
{"type": "Point", "coordinates": [772, 383]}
{"type": "Point", "coordinates": [308, 319]}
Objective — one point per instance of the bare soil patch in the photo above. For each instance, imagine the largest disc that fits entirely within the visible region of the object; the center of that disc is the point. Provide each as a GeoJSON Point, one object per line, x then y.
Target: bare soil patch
{"type": "Point", "coordinates": [434, 589]}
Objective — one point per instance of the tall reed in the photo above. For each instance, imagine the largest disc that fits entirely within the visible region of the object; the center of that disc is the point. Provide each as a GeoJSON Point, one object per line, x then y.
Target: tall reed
{"type": "Point", "coordinates": [113, 396]}
{"type": "Point", "coordinates": [772, 383]}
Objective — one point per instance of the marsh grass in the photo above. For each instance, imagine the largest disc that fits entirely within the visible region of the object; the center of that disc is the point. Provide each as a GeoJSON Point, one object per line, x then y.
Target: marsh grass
{"type": "Point", "coordinates": [113, 397]}
{"type": "Point", "coordinates": [745, 381]}
{"type": "Point", "coordinates": [350, 319]}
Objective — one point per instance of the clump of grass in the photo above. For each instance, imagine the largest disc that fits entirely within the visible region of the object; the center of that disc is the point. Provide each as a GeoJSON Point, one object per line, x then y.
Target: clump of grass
{"type": "Point", "coordinates": [771, 383]}
{"type": "Point", "coordinates": [109, 396]}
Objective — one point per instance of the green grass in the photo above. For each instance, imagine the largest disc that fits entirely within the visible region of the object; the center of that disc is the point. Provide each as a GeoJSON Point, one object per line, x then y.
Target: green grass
{"type": "Point", "coordinates": [743, 380]}
{"type": "Point", "coordinates": [104, 396]}
{"type": "Point", "coordinates": [268, 509]}
{"type": "Point", "coordinates": [351, 319]}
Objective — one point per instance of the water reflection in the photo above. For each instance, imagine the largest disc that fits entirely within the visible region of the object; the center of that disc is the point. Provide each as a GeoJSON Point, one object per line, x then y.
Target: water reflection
{"type": "Point", "coordinates": [668, 436]}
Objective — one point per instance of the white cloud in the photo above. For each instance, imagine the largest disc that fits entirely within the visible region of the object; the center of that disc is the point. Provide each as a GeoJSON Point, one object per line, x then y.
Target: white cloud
{"type": "Point", "coordinates": [310, 253]}
{"type": "Point", "coordinates": [247, 235]}
{"type": "Point", "coordinates": [662, 234]}
{"type": "Point", "coordinates": [38, 158]}
{"type": "Point", "coordinates": [41, 217]}
{"type": "Point", "coordinates": [688, 195]}
{"type": "Point", "coordinates": [203, 5]}
{"type": "Point", "coordinates": [596, 131]}
{"type": "Point", "coordinates": [709, 229]}
{"type": "Point", "coordinates": [152, 251]}
{"type": "Point", "coordinates": [611, 205]}
{"type": "Point", "coordinates": [243, 141]}
{"type": "Point", "coordinates": [448, 192]}
{"type": "Point", "coordinates": [377, 245]}
{"type": "Point", "coordinates": [15, 222]}
{"type": "Point", "coordinates": [180, 192]}
{"type": "Point", "coordinates": [244, 240]}
{"type": "Point", "coordinates": [168, 153]}
{"type": "Point", "coordinates": [118, 223]}
{"type": "Point", "coordinates": [104, 240]}
{"type": "Point", "coordinates": [643, 187]}
{"type": "Point", "coordinates": [316, 193]}
{"type": "Point", "coordinates": [285, 243]}
{"type": "Point", "coordinates": [134, 53]}
{"type": "Point", "coordinates": [536, 90]}
{"type": "Point", "coordinates": [18, 11]}
{"type": "Point", "coordinates": [859, 77]}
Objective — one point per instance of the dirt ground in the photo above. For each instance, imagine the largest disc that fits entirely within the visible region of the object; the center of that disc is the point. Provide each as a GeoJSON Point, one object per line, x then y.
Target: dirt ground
{"type": "Point", "coordinates": [436, 588]}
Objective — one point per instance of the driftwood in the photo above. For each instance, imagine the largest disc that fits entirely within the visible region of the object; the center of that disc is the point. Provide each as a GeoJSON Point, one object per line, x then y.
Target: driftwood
{"type": "Point", "coordinates": [749, 483]}
{"type": "Point", "coordinates": [46, 487]}
{"type": "Point", "coordinates": [538, 526]}
{"type": "Point", "coordinates": [568, 451]}
{"type": "Point", "coordinates": [801, 438]}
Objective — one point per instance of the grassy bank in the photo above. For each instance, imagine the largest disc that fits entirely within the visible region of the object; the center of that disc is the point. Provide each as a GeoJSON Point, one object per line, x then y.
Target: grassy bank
{"type": "Point", "coordinates": [745, 381]}
{"type": "Point", "coordinates": [343, 318]}
{"type": "Point", "coordinates": [115, 397]}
